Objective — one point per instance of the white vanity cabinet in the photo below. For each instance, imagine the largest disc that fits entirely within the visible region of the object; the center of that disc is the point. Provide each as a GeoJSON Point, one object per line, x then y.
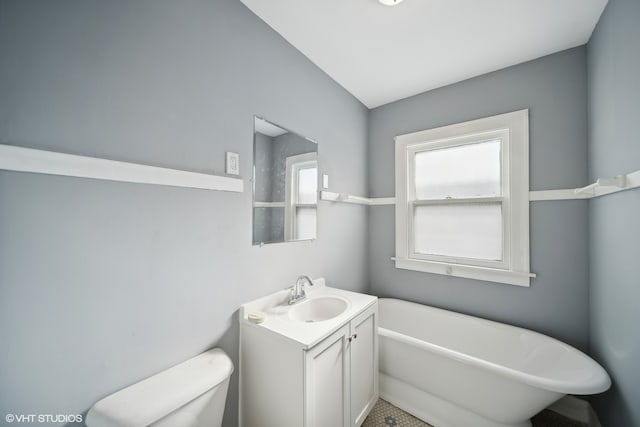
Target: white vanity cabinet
{"type": "Point", "coordinates": [330, 381]}
{"type": "Point", "coordinates": [326, 381]}
{"type": "Point", "coordinates": [341, 374]}
{"type": "Point", "coordinates": [363, 353]}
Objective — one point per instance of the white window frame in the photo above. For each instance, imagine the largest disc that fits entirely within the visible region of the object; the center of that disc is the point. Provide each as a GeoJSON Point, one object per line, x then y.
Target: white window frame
{"type": "Point", "coordinates": [293, 164]}
{"type": "Point", "coordinates": [512, 129]}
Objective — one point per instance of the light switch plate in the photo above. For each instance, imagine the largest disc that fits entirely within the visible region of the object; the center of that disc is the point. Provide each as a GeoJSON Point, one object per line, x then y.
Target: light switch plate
{"type": "Point", "coordinates": [325, 181]}
{"type": "Point", "coordinates": [233, 163]}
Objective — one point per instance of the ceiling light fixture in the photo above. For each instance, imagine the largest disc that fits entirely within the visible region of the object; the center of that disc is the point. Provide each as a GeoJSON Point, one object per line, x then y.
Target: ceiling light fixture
{"type": "Point", "coordinates": [390, 2]}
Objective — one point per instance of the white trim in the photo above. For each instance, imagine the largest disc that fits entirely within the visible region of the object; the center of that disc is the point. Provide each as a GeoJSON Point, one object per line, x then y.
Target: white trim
{"type": "Point", "coordinates": [344, 198]}
{"type": "Point", "coordinates": [535, 196]}
{"type": "Point", "coordinates": [380, 201]}
{"type": "Point", "coordinates": [619, 181]}
{"type": "Point", "coordinates": [20, 159]}
{"type": "Point", "coordinates": [513, 130]}
{"type": "Point", "coordinates": [467, 271]}
{"type": "Point", "coordinates": [268, 204]}
{"type": "Point", "coordinates": [356, 200]}
{"type": "Point", "coordinates": [632, 181]}
{"type": "Point", "coordinates": [601, 187]}
{"type": "Point", "coordinates": [292, 165]}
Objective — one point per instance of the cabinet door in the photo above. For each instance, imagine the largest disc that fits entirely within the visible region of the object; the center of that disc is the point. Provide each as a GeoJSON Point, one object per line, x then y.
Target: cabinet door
{"type": "Point", "coordinates": [327, 382]}
{"type": "Point", "coordinates": [364, 364]}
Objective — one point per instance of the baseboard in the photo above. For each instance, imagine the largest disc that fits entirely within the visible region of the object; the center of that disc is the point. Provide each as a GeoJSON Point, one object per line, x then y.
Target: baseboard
{"type": "Point", "coordinates": [576, 409]}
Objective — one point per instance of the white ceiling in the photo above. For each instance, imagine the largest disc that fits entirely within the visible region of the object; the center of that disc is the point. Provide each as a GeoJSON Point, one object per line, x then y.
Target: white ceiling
{"type": "Point", "coordinates": [381, 54]}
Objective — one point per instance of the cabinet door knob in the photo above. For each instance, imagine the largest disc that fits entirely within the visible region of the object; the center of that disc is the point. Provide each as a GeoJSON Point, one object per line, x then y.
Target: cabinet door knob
{"type": "Point", "coordinates": [355, 336]}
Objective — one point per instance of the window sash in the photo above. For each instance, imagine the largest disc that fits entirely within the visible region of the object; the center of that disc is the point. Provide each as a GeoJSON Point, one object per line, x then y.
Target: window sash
{"type": "Point", "coordinates": [477, 138]}
{"type": "Point", "coordinates": [451, 149]}
{"type": "Point", "coordinates": [503, 136]}
{"type": "Point", "coordinates": [500, 264]}
{"type": "Point", "coordinates": [297, 232]}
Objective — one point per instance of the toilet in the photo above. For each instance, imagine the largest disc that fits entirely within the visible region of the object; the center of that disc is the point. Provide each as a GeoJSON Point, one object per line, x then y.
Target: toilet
{"type": "Point", "coordinates": [191, 394]}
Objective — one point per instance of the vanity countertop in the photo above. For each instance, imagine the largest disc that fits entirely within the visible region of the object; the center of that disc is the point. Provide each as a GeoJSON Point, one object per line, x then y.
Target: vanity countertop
{"type": "Point", "coordinates": [278, 320]}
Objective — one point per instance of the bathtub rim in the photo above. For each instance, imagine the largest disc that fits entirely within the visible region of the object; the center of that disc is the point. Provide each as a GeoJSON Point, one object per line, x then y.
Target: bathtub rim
{"type": "Point", "coordinates": [598, 383]}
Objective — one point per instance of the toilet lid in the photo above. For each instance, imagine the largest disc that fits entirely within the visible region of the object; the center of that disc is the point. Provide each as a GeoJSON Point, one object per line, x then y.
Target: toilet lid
{"type": "Point", "coordinates": [151, 399]}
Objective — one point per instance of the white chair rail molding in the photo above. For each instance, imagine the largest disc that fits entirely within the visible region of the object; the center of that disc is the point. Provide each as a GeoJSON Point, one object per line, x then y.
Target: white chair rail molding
{"type": "Point", "coordinates": [462, 199]}
{"type": "Point", "coordinates": [601, 187]}
{"type": "Point", "coordinates": [21, 159]}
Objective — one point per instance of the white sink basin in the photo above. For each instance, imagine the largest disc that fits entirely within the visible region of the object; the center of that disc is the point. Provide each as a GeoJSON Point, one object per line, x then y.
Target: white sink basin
{"type": "Point", "coordinates": [318, 309]}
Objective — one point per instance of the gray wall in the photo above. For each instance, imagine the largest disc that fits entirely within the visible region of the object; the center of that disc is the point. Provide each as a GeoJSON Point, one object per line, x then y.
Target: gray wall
{"type": "Point", "coordinates": [614, 148]}
{"type": "Point", "coordinates": [554, 90]}
{"type": "Point", "coordinates": [103, 283]}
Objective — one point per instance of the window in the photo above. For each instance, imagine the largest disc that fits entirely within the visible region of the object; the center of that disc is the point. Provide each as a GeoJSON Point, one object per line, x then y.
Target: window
{"type": "Point", "coordinates": [301, 197]}
{"type": "Point", "coordinates": [462, 205]}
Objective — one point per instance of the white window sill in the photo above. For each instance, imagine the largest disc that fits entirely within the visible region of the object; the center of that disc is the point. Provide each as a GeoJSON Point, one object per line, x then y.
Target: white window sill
{"type": "Point", "coordinates": [467, 271]}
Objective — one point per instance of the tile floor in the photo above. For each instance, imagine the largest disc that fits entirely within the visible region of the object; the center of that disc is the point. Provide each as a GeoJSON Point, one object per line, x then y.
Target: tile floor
{"type": "Point", "coordinates": [385, 414]}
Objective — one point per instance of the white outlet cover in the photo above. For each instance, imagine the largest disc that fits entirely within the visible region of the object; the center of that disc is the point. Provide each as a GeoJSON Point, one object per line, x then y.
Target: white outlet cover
{"type": "Point", "coordinates": [325, 181]}
{"type": "Point", "coordinates": [233, 163]}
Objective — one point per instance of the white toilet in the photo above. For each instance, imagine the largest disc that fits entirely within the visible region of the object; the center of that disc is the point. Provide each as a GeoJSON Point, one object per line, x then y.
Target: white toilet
{"type": "Point", "coordinates": [191, 394]}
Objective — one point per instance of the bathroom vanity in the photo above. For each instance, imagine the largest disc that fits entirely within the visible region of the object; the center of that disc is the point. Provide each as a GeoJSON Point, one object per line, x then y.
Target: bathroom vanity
{"type": "Point", "coordinates": [311, 364]}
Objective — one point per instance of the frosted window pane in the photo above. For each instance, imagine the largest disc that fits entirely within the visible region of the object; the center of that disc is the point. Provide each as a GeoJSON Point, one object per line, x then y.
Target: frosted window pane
{"type": "Point", "coordinates": [459, 230]}
{"type": "Point", "coordinates": [464, 171]}
{"type": "Point", "coordinates": [308, 185]}
{"type": "Point", "coordinates": [305, 223]}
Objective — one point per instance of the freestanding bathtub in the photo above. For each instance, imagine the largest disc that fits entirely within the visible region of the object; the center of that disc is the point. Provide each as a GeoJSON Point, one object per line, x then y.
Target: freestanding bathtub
{"type": "Point", "coordinates": [454, 370]}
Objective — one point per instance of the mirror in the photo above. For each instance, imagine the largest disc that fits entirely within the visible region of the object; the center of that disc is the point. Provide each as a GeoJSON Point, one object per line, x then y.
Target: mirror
{"type": "Point", "coordinates": [285, 184]}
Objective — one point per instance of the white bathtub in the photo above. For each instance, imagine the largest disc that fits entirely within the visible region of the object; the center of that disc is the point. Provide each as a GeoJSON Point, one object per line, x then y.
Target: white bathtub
{"type": "Point", "coordinates": [453, 370]}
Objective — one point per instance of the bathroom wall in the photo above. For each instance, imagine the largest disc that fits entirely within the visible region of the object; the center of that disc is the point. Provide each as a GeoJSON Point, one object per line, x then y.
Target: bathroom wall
{"type": "Point", "coordinates": [614, 148]}
{"type": "Point", "coordinates": [554, 90]}
{"type": "Point", "coordinates": [104, 283]}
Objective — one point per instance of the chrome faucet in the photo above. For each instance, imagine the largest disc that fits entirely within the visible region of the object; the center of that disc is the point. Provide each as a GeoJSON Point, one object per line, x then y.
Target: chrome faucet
{"type": "Point", "coordinates": [297, 290]}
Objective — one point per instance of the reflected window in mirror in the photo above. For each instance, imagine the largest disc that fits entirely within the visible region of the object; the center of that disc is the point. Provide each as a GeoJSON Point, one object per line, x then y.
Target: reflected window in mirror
{"type": "Point", "coordinates": [301, 197]}
{"type": "Point", "coordinates": [285, 185]}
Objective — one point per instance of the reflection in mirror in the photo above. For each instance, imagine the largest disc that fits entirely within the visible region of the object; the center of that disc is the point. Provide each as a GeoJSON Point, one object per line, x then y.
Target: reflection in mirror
{"type": "Point", "coordinates": [285, 185]}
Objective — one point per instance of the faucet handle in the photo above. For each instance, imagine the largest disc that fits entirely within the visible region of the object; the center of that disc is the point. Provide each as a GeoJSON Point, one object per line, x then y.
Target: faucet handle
{"type": "Point", "coordinates": [297, 290]}
{"type": "Point", "coordinates": [301, 279]}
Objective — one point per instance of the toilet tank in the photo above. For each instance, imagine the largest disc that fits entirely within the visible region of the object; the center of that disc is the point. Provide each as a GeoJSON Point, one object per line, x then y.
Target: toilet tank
{"type": "Point", "coordinates": [191, 394]}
